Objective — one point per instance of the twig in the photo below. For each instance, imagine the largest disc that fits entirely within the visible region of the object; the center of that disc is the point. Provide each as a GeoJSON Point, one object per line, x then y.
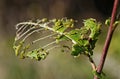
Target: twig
{"type": "Point", "coordinates": [108, 39]}
{"type": "Point", "coordinates": [92, 62]}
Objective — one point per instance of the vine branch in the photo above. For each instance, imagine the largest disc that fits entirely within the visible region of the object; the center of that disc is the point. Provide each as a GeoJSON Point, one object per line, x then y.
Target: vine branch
{"type": "Point", "coordinates": [108, 39]}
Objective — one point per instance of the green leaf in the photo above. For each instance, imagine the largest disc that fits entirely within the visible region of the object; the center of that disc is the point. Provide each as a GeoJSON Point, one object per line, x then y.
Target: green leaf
{"type": "Point", "coordinates": [63, 24]}
{"type": "Point", "coordinates": [60, 38]}
{"type": "Point", "coordinates": [107, 22]}
{"type": "Point", "coordinates": [17, 48]}
{"type": "Point", "coordinates": [93, 26]}
{"type": "Point", "coordinates": [37, 54]}
{"type": "Point", "coordinates": [76, 50]}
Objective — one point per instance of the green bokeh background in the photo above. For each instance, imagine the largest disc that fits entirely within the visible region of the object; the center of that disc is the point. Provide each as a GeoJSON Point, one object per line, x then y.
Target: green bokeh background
{"type": "Point", "coordinates": [57, 65]}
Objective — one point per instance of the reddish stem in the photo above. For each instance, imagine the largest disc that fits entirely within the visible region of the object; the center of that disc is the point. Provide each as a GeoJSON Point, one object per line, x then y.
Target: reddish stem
{"type": "Point", "coordinates": [108, 39]}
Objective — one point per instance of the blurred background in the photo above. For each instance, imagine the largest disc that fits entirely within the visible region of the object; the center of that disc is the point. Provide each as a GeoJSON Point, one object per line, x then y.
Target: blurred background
{"type": "Point", "coordinates": [57, 65]}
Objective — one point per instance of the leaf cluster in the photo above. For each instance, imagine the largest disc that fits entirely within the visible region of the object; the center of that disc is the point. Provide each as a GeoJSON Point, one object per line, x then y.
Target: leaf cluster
{"type": "Point", "coordinates": [83, 39]}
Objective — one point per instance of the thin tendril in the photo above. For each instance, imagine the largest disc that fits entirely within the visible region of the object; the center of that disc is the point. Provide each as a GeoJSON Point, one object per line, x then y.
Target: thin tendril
{"type": "Point", "coordinates": [26, 32]}
{"type": "Point", "coordinates": [49, 44]}
{"type": "Point", "coordinates": [22, 27]}
{"type": "Point", "coordinates": [27, 23]}
{"type": "Point", "coordinates": [52, 48]}
{"type": "Point", "coordinates": [32, 33]}
{"type": "Point", "coordinates": [43, 38]}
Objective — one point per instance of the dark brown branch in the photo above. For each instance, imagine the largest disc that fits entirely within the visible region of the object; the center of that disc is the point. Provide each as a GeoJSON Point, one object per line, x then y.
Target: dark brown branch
{"type": "Point", "coordinates": [108, 39]}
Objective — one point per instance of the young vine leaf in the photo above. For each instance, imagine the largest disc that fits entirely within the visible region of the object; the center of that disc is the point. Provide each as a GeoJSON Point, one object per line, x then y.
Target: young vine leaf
{"type": "Point", "coordinates": [83, 39]}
